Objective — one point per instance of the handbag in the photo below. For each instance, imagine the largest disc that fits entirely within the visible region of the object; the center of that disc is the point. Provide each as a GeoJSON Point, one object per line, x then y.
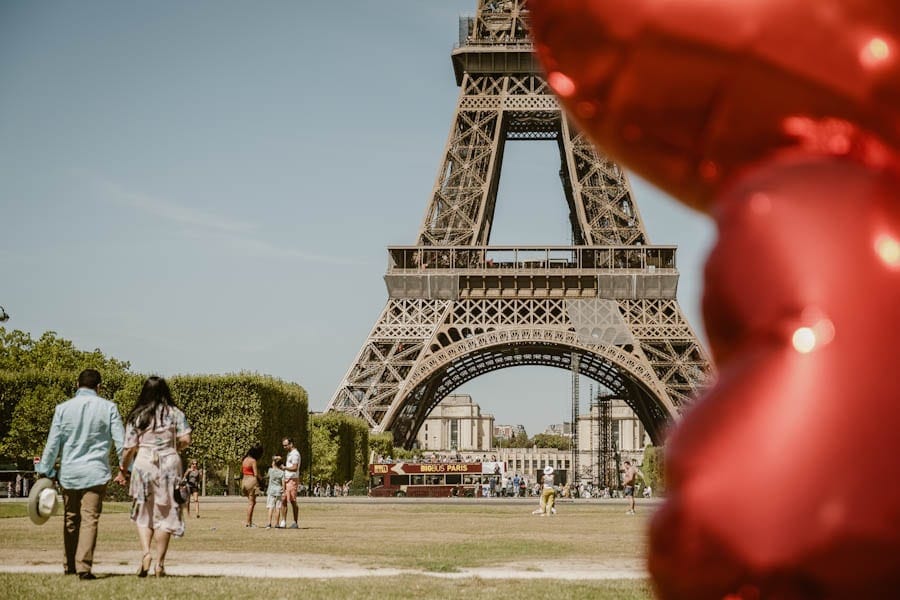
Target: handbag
{"type": "Point", "coordinates": [181, 491]}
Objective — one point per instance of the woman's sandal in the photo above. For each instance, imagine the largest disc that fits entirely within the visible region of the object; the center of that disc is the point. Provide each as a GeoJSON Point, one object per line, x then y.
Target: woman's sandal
{"type": "Point", "coordinates": [145, 565]}
{"type": "Point", "coordinates": [160, 571]}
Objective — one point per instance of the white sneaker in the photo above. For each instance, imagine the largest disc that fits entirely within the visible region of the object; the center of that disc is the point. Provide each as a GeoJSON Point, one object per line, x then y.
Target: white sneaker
{"type": "Point", "coordinates": [629, 512]}
{"type": "Point", "coordinates": [553, 511]}
{"type": "Point", "coordinates": [282, 524]}
{"type": "Point", "coordinates": [538, 512]}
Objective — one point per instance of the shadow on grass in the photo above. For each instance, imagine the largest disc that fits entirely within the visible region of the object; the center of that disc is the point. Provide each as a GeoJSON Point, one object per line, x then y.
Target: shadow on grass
{"type": "Point", "coordinates": [440, 567]}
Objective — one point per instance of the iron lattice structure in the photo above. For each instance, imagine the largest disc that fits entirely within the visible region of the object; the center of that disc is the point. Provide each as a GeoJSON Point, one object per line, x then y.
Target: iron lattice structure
{"type": "Point", "coordinates": [459, 307]}
{"type": "Point", "coordinates": [607, 445]}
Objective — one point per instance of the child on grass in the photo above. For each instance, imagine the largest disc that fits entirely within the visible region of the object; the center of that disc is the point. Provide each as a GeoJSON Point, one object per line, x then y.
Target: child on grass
{"type": "Point", "coordinates": [274, 491]}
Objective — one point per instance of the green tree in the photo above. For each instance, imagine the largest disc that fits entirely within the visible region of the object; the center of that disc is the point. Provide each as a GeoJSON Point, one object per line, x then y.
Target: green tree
{"type": "Point", "coordinates": [52, 354]}
{"type": "Point", "coordinates": [35, 376]}
{"type": "Point", "coordinates": [520, 440]}
{"type": "Point", "coordinates": [552, 440]}
{"type": "Point", "coordinates": [381, 444]}
{"type": "Point", "coordinates": [31, 420]}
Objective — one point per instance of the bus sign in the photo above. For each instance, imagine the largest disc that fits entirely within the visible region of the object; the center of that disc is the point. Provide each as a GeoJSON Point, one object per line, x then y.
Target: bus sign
{"type": "Point", "coordinates": [432, 480]}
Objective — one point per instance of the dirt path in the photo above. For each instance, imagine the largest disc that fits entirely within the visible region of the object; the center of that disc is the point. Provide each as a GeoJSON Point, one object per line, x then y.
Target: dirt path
{"type": "Point", "coordinates": [234, 564]}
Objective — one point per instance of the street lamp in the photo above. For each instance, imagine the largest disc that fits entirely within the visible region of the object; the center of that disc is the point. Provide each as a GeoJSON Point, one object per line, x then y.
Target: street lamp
{"type": "Point", "coordinates": [309, 456]}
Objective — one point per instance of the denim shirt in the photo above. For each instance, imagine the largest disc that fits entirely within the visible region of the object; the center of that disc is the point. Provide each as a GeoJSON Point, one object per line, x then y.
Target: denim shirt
{"type": "Point", "coordinates": [82, 430]}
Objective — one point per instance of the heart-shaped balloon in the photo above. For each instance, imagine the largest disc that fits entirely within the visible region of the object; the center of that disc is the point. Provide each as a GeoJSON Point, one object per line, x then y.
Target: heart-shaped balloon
{"type": "Point", "coordinates": [780, 477]}
{"type": "Point", "coordinates": [781, 119]}
{"type": "Point", "coordinates": [687, 92]}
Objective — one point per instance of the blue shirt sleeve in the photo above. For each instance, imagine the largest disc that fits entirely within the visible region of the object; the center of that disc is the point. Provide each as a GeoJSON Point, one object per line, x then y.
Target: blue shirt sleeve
{"type": "Point", "coordinates": [117, 431]}
{"type": "Point", "coordinates": [52, 448]}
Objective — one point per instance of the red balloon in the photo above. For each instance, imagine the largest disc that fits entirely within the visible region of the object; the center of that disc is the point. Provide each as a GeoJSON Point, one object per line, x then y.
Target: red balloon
{"type": "Point", "coordinates": [782, 119]}
{"type": "Point", "coordinates": [782, 478]}
{"type": "Point", "coordinates": [688, 92]}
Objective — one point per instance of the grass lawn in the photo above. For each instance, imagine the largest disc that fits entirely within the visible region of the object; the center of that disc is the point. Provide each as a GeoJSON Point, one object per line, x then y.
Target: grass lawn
{"type": "Point", "coordinates": [116, 587]}
{"type": "Point", "coordinates": [425, 538]}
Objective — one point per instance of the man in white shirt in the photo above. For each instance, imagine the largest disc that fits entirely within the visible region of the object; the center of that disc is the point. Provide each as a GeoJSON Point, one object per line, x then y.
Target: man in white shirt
{"type": "Point", "coordinates": [291, 481]}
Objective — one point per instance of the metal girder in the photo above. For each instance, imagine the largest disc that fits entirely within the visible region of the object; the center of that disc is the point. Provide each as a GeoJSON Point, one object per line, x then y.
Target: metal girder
{"type": "Point", "coordinates": [460, 308]}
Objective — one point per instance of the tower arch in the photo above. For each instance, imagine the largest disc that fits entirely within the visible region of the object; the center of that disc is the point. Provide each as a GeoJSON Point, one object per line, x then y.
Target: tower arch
{"type": "Point", "coordinates": [622, 372]}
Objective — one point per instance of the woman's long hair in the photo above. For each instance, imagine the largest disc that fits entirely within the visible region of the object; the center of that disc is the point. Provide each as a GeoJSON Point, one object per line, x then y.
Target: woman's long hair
{"type": "Point", "coordinates": [255, 452]}
{"type": "Point", "coordinates": [154, 401]}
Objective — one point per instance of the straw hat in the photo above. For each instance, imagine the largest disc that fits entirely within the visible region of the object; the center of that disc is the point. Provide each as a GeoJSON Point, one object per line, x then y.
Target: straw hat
{"type": "Point", "coordinates": [548, 470]}
{"type": "Point", "coordinates": [42, 501]}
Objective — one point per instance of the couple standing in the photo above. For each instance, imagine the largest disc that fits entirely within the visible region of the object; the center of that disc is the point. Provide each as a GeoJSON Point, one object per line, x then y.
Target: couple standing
{"type": "Point", "coordinates": [81, 433]}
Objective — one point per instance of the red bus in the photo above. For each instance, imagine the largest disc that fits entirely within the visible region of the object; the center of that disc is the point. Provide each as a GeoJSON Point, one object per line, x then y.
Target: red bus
{"type": "Point", "coordinates": [433, 480]}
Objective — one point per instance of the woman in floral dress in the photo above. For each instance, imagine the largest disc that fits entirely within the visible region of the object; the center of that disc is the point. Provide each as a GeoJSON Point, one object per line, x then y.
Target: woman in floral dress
{"type": "Point", "coordinates": [155, 432]}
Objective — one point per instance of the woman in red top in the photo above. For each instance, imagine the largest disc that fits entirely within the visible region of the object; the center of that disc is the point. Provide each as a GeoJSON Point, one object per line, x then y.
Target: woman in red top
{"type": "Point", "coordinates": [250, 484]}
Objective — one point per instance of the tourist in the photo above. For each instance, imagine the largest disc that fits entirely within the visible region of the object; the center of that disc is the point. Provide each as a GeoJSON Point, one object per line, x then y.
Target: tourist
{"type": "Point", "coordinates": [291, 482]}
{"type": "Point", "coordinates": [155, 432]}
{"type": "Point", "coordinates": [250, 483]}
{"type": "Point", "coordinates": [628, 480]}
{"type": "Point", "coordinates": [80, 435]}
{"type": "Point", "coordinates": [548, 494]}
{"type": "Point", "coordinates": [193, 478]}
{"type": "Point", "coordinates": [274, 492]}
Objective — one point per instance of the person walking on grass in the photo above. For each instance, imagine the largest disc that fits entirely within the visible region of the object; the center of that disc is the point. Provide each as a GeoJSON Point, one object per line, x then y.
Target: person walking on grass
{"type": "Point", "coordinates": [548, 494]}
{"type": "Point", "coordinates": [155, 432]}
{"type": "Point", "coordinates": [193, 478]}
{"type": "Point", "coordinates": [81, 432]}
{"type": "Point", "coordinates": [274, 492]}
{"type": "Point", "coordinates": [629, 478]}
{"type": "Point", "coordinates": [291, 482]}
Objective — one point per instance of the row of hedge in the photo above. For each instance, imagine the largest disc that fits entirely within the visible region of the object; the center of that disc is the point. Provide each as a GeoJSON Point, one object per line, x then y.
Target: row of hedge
{"type": "Point", "coordinates": [228, 413]}
{"type": "Point", "coordinates": [340, 449]}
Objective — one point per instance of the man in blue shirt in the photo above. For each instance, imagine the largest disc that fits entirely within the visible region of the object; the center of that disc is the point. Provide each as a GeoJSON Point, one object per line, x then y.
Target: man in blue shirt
{"type": "Point", "coordinates": [81, 432]}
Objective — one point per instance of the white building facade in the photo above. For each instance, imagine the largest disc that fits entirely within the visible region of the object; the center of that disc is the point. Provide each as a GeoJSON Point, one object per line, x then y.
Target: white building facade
{"type": "Point", "coordinates": [626, 439]}
{"type": "Point", "coordinates": [457, 425]}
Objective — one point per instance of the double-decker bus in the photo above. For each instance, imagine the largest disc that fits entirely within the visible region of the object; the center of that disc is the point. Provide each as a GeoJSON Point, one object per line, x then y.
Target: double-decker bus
{"type": "Point", "coordinates": [433, 480]}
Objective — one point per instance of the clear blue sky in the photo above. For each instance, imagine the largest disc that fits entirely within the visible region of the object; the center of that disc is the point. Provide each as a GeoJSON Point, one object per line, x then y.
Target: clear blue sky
{"type": "Point", "coordinates": [209, 187]}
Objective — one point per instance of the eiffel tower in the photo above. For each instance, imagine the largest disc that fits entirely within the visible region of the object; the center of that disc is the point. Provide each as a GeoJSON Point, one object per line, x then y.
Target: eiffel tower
{"type": "Point", "coordinates": [459, 307]}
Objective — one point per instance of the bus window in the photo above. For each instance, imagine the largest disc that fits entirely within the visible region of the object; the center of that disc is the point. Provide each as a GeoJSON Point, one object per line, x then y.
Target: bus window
{"type": "Point", "coordinates": [377, 481]}
{"type": "Point", "coordinates": [417, 480]}
{"type": "Point", "coordinates": [435, 480]}
{"type": "Point", "coordinates": [454, 479]}
{"type": "Point", "coordinates": [399, 479]}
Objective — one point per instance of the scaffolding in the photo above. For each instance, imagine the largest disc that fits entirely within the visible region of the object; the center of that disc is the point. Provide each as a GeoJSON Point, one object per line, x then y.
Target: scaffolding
{"type": "Point", "coordinates": [607, 443]}
{"type": "Point", "coordinates": [576, 396]}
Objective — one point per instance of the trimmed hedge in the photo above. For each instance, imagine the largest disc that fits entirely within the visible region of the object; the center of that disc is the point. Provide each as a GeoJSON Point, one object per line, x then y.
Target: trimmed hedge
{"type": "Point", "coordinates": [228, 413]}
{"type": "Point", "coordinates": [653, 468]}
{"type": "Point", "coordinates": [340, 449]}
